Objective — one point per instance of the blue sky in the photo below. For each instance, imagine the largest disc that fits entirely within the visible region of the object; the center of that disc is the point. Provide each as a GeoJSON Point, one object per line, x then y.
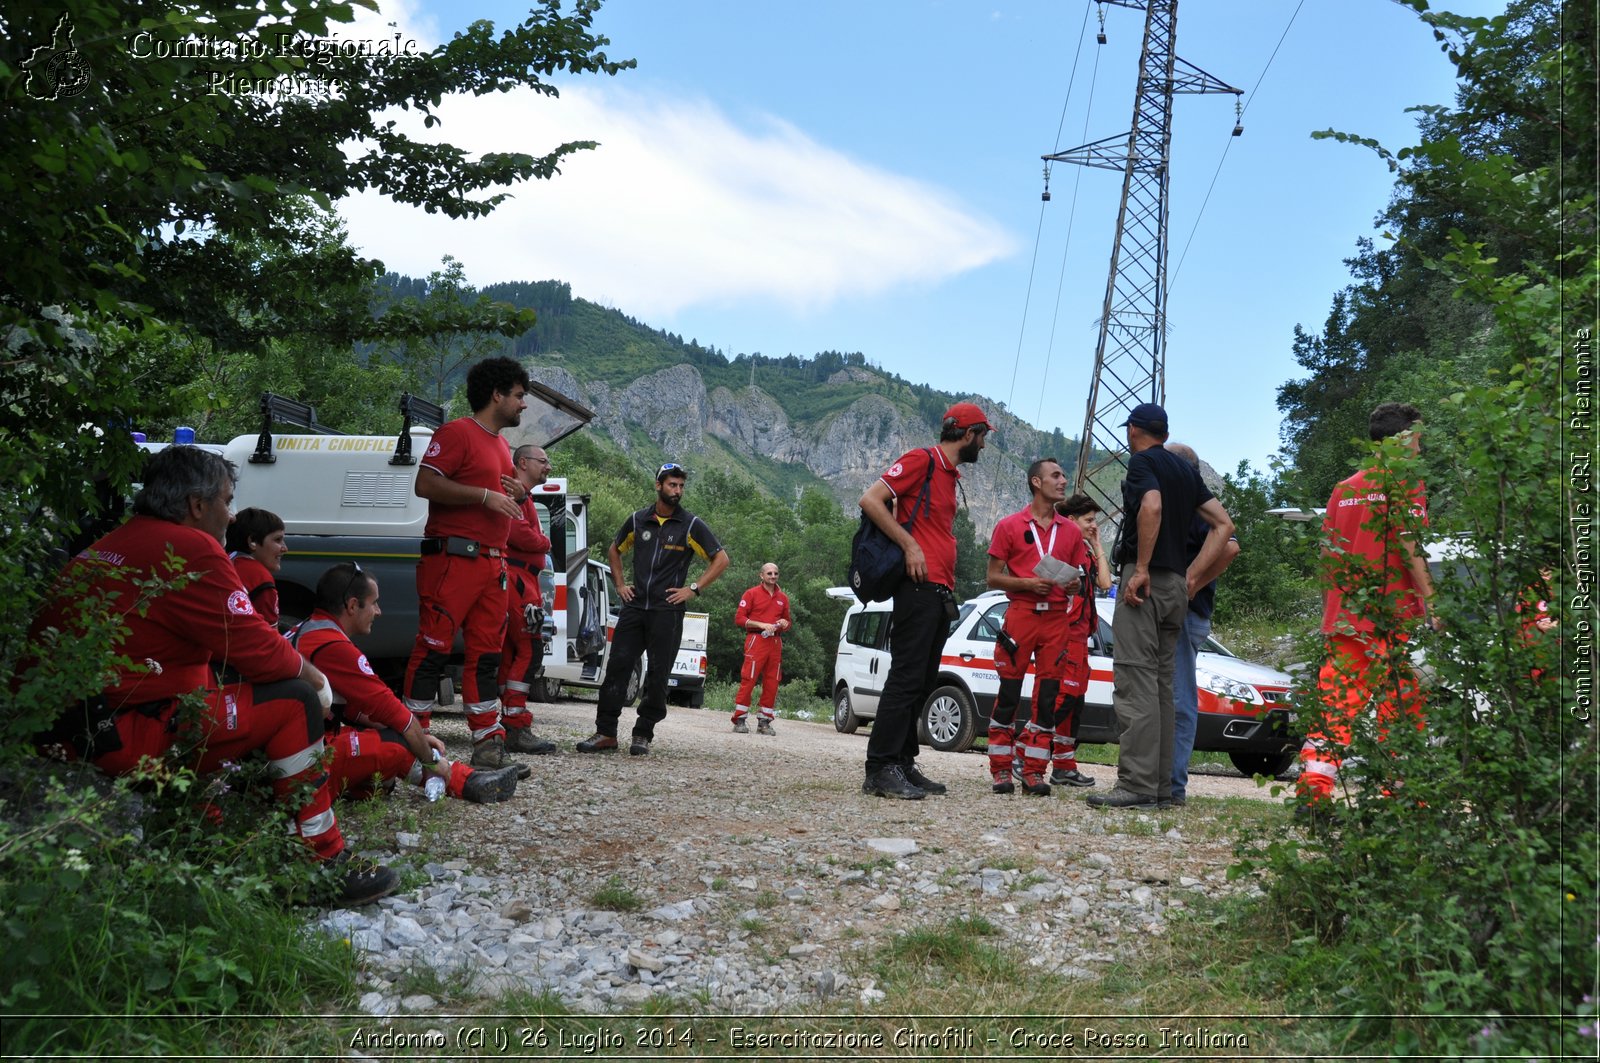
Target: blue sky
{"type": "Point", "coordinates": [865, 176]}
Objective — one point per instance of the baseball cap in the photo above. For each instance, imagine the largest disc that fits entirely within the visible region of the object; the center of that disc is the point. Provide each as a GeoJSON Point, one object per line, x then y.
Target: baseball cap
{"type": "Point", "coordinates": [965, 415]}
{"type": "Point", "coordinates": [1149, 417]}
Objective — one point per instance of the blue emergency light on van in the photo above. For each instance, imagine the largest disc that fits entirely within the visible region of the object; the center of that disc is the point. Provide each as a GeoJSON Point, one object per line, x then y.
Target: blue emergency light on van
{"type": "Point", "coordinates": [183, 436]}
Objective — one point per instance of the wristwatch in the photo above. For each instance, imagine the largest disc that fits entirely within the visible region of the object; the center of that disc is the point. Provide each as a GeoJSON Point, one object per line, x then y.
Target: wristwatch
{"type": "Point", "coordinates": [696, 588]}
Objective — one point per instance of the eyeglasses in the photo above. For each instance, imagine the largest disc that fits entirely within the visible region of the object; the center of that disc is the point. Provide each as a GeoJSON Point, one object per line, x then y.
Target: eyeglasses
{"type": "Point", "coordinates": [351, 583]}
{"type": "Point", "coordinates": [671, 469]}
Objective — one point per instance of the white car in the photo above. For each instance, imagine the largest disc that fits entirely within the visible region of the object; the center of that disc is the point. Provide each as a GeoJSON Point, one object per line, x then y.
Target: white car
{"type": "Point", "coordinates": [1244, 707]}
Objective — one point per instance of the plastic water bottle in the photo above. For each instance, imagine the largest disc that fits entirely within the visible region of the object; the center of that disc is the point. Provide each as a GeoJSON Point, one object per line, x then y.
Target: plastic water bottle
{"type": "Point", "coordinates": [433, 788]}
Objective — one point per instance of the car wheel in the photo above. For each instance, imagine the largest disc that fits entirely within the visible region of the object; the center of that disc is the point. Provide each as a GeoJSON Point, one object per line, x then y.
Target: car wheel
{"type": "Point", "coordinates": [845, 720]}
{"type": "Point", "coordinates": [949, 722]}
{"type": "Point", "coordinates": [697, 699]}
{"type": "Point", "coordinates": [545, 690]}
{"type": "Point", "coordinates": [1271, 765]}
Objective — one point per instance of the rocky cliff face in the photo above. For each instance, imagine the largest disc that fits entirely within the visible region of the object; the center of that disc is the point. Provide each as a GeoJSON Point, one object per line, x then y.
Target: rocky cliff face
{"type": "Point", "coordinates": [847, 450]}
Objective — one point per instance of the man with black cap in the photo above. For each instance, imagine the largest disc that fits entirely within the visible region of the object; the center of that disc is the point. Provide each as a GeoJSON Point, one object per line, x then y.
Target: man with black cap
{"type": "Point", "coordinates": [1161, 494]}
{"type": "Point", "coordinates": [664, 538]}
{"type": "Point", "coordinates": [924, 603]}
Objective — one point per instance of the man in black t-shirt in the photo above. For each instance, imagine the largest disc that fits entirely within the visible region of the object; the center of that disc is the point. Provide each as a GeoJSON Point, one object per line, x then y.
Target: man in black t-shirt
{"type": "Point", "coordinates": [1160, 495]}
{"type": "Point", "coordinates": [664, 538]}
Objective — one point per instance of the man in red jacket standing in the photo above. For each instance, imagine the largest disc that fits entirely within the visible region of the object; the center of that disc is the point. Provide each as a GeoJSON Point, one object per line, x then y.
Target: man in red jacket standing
{"type": "Point", "coordinates": [763, 615]}
{"type": "Point", "coordinates": [175, 534]}
{"type": "Point", "coordinates": [466, 476]}
{"type": "Point", "coordinates": [526, 552]}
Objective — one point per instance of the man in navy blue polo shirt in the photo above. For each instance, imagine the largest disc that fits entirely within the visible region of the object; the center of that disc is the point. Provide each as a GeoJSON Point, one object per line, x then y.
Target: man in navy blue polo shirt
{"type": "Point", "coordinates": [1160, 495]}
{"type": "Point", "coordinates": [664, 538]}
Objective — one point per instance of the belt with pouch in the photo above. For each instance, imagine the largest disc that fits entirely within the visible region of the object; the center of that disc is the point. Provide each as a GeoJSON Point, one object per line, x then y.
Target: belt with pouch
{"type": "Point", "coordinates": [519, 563]}
{"type": "Point", "coordinates": [459, 546]}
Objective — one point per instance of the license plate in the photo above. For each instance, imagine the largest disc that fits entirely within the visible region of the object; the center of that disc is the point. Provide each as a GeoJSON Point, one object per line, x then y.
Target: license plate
{"type": "Point", "coordinates": [672, 682]}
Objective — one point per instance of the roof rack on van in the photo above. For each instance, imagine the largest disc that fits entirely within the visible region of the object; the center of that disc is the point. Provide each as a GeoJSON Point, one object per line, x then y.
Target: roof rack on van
{"type": "Point", "coordinates": [414, 408]}
{"type": "Point", "coordinates": [276, 409]}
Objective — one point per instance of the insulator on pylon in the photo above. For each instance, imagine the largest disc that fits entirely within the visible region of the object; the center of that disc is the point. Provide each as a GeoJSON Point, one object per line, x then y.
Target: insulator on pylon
{"type": "Point", "coordinates": [1045, 195]}
{"type": "Point", "coordinates": [1100, 37]}
{"type": "Point", "coordinates": [1238, 117]}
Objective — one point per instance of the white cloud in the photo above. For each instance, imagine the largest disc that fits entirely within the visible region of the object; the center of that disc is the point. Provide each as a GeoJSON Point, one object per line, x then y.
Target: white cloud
{"type": "Point", "coordinates": [681, 205]}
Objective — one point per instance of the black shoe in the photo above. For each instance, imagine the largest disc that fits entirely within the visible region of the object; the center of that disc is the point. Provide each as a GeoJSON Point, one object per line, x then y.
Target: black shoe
{"type": "Point", "coordinates": [364, 880]}
{"type": "Point", "coordinates": [488, 786]}
{"type": "Point", "coordinates": [1120, 798]}
{"type": "Point", "coordinates": [891, 781]}
{"type": "Point", "coordinates": [1071, 778]}
{"type": "Point", "coordinates": [1035, 785]}
{"type": "Point", "coordinates": [597, 743]}
{"type": "Point", "coordinates": [921, 781]}
{"type": "Point", "coordinates": [1005, 787]}
{"type": "Point", "coordinates": [1172, 802]}
{"type": "Point", "coordinates": [639, 747]}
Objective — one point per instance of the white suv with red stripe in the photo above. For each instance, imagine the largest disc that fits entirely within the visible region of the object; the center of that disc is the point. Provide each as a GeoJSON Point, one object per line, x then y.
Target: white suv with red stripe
{"type": "Point", "coordinates": [1244, 707]}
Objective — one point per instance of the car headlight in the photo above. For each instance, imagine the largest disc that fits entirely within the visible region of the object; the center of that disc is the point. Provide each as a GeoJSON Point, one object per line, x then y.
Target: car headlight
{"type": "Point", "coordinates": [1224, 687]}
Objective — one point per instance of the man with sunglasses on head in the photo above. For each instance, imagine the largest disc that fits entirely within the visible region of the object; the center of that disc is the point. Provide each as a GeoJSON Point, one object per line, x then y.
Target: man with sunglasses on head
{"type": "Point", "coordinates": [664, 538]}
{"type": "Point", "coordinates": [374, 737]}
{"type": "Point", "coordinates": [467, 477]}
{"type": "Point", "coordinates": [527, 552]}
{"type": "Point", "coordinates": [924, 603]}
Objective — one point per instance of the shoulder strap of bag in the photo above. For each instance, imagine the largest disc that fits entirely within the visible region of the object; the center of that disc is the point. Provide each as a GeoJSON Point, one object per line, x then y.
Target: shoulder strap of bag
{"type": "Point", "coordinates": [923, 503]}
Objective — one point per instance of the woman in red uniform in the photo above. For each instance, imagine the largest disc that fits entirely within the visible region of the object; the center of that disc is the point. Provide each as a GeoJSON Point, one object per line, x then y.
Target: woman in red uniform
{"type": "Point", "coordinates": [255, 544]}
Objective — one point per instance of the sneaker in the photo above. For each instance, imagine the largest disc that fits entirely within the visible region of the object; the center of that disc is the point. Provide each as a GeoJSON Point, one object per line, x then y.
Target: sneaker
{"type": "Point", "coordinates": [597, 743]}
{"type": "Point", "coordinates": [523, 740]}
{"type": "Point", "coordinates": [1071, 778]}
{"type": "Point", "coordinates": [740, 727]}
{"type": "Point", "coordinates": [764, 727]}
{"type": "Point", "coordinates": [891, 781]}
{"type": "Point", "coordinates": [364, 881]}
{"type": "Point", "coordinates": [1117, 797]}
{"type": "Point", "coordinates": [1005, 786]}
{"type": "Point", "coordinates": [640, 746]}
{"type": "Point", "coordinates": [1175, 801]}
{"type": "Point", "coordinates": [489, 786]}
{"type": "Point", "coordinates": [1035, 785]}
{"type": "Point", "coordinates": [915, 777]}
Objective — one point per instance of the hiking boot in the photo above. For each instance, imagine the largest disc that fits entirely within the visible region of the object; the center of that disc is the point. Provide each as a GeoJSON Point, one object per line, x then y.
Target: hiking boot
{"type": "Point", "coordinates": [740, 727]}
{"type": "Point", "coordinates": [1117, 797]}
{"type": "Point", "coordinates": [1004, 786]}
{"type": "Point", "coordinates": [640, 746]}
{"type": "Point", "coordinates": [597, 743]}
{"type": "Point", "coordinates": [490, 753]}
{"type": "Point", "coordinates": [764, 727]}
{"type": "Point", "coordinates": [890, 781]}
{"type": "Point", "coordinates": [1175, 801]}
{"type": "Point", "coordinates": [364, 881]}
{"type": "Point", "coordinates": [488, 786]}
{"type": "Point", "coordinates": [523, 740]}
{"type": "Point", "coordinates": [1073, 777]}
{"type": "Point", "coordinates": [1035, 785]}
{"type": "Point", "coordinates": [921, 781]}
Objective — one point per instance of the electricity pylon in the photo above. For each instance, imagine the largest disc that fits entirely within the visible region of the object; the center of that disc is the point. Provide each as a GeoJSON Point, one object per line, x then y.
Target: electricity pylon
{"type": "Point", "coordinates": [1130, 364]}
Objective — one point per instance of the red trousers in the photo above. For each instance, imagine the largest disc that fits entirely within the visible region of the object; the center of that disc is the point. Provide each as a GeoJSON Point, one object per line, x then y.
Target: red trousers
{"type": "Point", "coordinates": [364, 758]}
{"type": "Point", "coordinates": [284, 720]}
{"type": "Point", "coordinates": [523, 651]}
{"type": "Point", "coordinates": [1074, 685]}
{"type": "Point", "coordinates": [762, 660]}
{"type": "Point", "coordinates": [466, 594]}
{"type": "Point", "coordinates": [1041, 639]}
{"type": "Point", "coordinates": [1358, 673]}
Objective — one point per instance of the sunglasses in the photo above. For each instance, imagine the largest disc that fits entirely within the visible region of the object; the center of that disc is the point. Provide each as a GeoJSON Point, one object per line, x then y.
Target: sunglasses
{"type": "Point", "coordinates": [671, 469]}
{"type": "Point", "coordinates": [351, 584]}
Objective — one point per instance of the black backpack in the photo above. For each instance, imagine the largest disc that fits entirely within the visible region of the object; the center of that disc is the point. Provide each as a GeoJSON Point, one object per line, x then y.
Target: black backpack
{"type": "Point", "coordinates": [877, 564]}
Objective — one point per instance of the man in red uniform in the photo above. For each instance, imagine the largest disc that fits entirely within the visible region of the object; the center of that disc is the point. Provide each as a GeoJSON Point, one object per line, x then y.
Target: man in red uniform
{"type": "Point", "coordinates": [180, 517]}
{"type": "Point", "coordinates": [1036, 628]}
{"type": "Point", "coordinates": [1081, 623]}
{"type": "Point", "coordinates": [1369, 545]}
{"type": "Point", "coordinates": [763, 615]}
{"type": "Point", "coordinates": [526, 552]}
{"type": "Point", "coordinates": [376, 736]}
{"type": "Point", "coordinates": [461, 576]}
{"type": "Point", "coordinates": [924, 603]}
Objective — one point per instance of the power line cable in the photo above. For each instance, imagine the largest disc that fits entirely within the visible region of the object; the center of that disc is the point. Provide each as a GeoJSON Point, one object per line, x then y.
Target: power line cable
{"type": "Point", "coordinates": [1173, 276]}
